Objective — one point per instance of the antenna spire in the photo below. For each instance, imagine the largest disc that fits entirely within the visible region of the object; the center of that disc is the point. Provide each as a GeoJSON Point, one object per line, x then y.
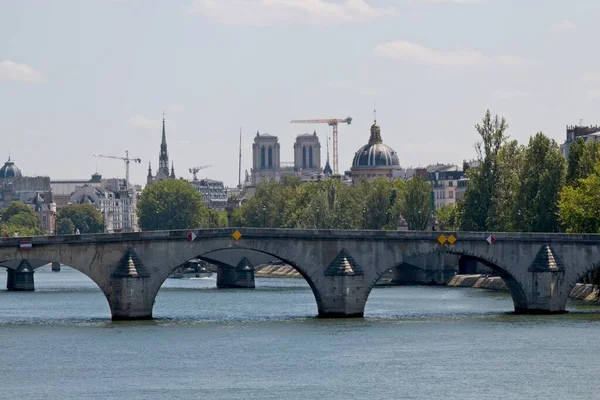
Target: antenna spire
{"type": "Point", "coordinates": [240, 162]}
{"type": "Point", "coordinates": [375, 111]}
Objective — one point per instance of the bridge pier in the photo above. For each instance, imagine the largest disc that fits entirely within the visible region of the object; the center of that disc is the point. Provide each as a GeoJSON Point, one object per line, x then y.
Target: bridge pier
{"type": "Point", "coordinates": [343, 292]}
{"type": "Point", "coordinates": [20, 279]}
{"type": "Point", "coordinates": [242, 276]}
{"type": "Point", "coordinates": [130, 297]}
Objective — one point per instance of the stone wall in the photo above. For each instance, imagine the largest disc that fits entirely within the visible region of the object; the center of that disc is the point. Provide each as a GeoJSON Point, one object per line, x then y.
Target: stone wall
{"type": "Point", "coordinates": [581, 291]}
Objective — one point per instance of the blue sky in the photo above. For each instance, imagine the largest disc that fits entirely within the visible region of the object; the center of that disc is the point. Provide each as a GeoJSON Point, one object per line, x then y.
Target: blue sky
{"type": "Point", "coordinates": [82, 77]}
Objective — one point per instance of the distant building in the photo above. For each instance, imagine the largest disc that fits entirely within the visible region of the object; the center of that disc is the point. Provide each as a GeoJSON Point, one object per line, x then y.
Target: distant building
{"type": "Point", "coordinates": [307, 154]}
{"type": "Point", "coordinates": [266, 164]}
{"type": "Point", "coordinates": [213, 193]}
{"type": "Point", "coordinates": [444, 185]}
{"type": "Point", "coordinates": [576, 132]}
{"type": "Point", "coordinates": [163, 162]}
{"type": "Point", "coordinates": [116, 204]}
{"type": "Point", "coordinates": [375, 159]}
{"type": "Point", "coordinates": [63, 189]}
{"type": "Point", "coordinates": [36, 192]}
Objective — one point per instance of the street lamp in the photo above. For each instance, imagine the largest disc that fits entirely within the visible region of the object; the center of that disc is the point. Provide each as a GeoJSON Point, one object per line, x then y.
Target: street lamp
{"type": "Point", "coordinates": [0, 227]}
{"type": "Point", "coordinates": [103, 222]}
{"type": "Point", "coordinates": [318, 217]}
{"type": "Point", "coordinates": [156, 213]}
{"type": "Point", "coordinates": [264, 216]}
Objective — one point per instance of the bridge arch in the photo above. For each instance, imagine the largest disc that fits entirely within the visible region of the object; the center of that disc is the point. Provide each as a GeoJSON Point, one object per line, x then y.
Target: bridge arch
{"type": "Point", "coordinates": [36, 263]}
{"type": "Point", "coordinates": [164, 274]}
{"type": "Point", "coordinates": [515, 288]}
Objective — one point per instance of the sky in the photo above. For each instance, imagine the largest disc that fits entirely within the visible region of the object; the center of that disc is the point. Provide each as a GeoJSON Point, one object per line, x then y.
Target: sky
{"type": "Point", "coordinates": [85, 77]}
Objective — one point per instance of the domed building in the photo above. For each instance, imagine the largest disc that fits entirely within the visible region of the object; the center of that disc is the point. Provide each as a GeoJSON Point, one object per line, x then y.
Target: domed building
{"type": "Point", "coordinates": [10, 170]}
{"type": "Point", "coordinates": [375, 159]}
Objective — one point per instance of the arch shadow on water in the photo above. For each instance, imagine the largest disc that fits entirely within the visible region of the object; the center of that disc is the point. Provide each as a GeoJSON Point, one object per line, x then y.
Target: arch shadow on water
{"type": "Point", "coordinates": [66, 296]}
{"type": "Point", "coordinates": [515, 289]}
{"type": "Point", "coordinates": [199, 300]}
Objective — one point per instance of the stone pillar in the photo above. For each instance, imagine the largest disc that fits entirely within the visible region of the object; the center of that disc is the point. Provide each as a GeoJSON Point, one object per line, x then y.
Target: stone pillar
{"type": "Point", "coordinates": [129, 295]}
{"type": "Point", "coordinates": [55, 266]}
{"type": "Point", "coordinates": [20, 279]}
{"type": "Point", "coordinates": [546, 293]}
{"type": "Point", "coordinates": [245, 274]}
{"type": "Point", "coordinates": [241, 276]}
{"type": "Point", "coordinates": [344, 292]}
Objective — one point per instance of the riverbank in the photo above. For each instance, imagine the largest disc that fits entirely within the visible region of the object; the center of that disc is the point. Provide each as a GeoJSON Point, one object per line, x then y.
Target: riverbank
{"type": "Point", "coordinates": [581, 291]}
{"type": "Point", "coordinates": [276, 271]}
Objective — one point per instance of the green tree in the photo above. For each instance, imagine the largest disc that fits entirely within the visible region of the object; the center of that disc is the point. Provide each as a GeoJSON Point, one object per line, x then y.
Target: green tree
{"type": "Point", "coordinates": [84, 217]}
{"type": "Point", "coordinates": [19, 217]}
{"type": "Point", "coordinates": [574, 160]}
{"type": "Point", "coordinates": [579, 206]}
{"type": "Point", "coordinates": [478, 207]}
{"type": "Point", "coordinates": [171, 204]}
{"type": "Point", "coordinates": [65, 226]}
{"type": "Point", "coordinates": [216, 219]}
{"type": "Point", "coordinates": [542, 178]}
{"type": "Point", "coordinates": [417, 203]}
{"type": "Point", "coordinates": [447, 217]}
{"type": "Point", "coordinates": [510, 163]}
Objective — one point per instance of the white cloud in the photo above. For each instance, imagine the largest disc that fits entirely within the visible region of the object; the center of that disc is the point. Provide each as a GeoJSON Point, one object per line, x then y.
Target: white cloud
{"type": "Point", "coordinates": [175, 108]}
{"type": "Point", "coordinates": [594, 94]}
{"type": "Point", "coordinates": [367, 92]}
{"type": "Point", "coordinates": [510, 94]}
{"type": "Point", "coordinates": [403, 50]}
{"type": "Point", "coordinates": [142, 122]}
{"type": "Point", "coordinates": [269, 12]}
{"type": "Point", "coordinates": [12, 71]}
{"type": "Point", "coordinates": [591, 77]}
{"type": "Point", "coordinates": [565, 26]}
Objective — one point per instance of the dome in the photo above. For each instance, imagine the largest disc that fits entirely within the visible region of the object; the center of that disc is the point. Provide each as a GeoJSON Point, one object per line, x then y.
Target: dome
{"type": "Point", "coordinates": [9, 170]}
{"type": "Point", "coordinates": [375, 154]}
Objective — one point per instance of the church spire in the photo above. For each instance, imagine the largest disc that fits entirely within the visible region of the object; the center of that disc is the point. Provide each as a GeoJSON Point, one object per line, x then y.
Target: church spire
{"type": "Point", "coordinates": [149, 178]}
{"type": "Point", "coordinates": [172, 171]}
{"type": "Point", "coordinates": [163, 161]}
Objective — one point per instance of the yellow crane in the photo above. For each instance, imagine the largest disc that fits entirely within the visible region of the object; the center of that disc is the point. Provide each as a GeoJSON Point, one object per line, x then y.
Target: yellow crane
{"type": "Point", "coordinates": [194, 170]}
{"type": "Point", "coordinates": [331, 122]}
{"type": "Point", "coordinates": [127, 160]}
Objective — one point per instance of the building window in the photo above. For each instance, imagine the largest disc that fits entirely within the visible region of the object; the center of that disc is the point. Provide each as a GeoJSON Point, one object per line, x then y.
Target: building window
{"type": "Point", "coordinates": [451, 194]}
{"type": "Point", "coordinates": [310, 157]}
{"type": "Point", "coordinates": [451, 183]}
{"type": "Point", "coordinates": [270, 157]}
{"type": "Point", "coordinates": [262, 157]}
{"type": "Point", "coordinates": [303, 156]}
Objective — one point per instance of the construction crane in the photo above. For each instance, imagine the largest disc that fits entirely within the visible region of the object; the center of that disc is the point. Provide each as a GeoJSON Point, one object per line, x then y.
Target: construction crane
{"type": "Point", "coordinates": [331, 122]}
{"type": "Point", "coordinates": [127, 160]}
{"type": "Point", "coordinates": [194, 171]}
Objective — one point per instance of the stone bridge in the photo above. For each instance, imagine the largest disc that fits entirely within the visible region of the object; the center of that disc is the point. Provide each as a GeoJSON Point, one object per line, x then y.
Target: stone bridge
{"type": "Point", "coordinates": [341, 267]}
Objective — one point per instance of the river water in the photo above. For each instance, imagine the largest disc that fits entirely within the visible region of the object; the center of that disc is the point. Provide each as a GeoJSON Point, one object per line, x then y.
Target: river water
{"type": "Point", "coordinates": [414, 343]}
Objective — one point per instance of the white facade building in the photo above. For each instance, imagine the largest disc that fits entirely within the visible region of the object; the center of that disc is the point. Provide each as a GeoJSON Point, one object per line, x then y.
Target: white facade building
{"type": "Point", "coordinates": [115, 203]}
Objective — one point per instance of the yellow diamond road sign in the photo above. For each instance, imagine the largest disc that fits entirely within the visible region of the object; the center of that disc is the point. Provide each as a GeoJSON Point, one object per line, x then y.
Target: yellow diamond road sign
{"type": "Point", "coordinates": [237, 235]}
{"type": "Point", "coordinates": [451, 239]}
{"type": "Point", "coordinates": [442, 239]}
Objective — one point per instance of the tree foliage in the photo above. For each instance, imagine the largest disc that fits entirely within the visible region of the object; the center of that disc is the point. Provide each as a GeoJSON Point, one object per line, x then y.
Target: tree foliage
{"type": "Point", "coordinates": [541, 180]}
{"type": "Point", "coordinates": [172, 204]}
{"type": "Point", "coordinates": [417, 203]}
{"type": "Point", "coordinates": [19, 218]}
{"type": "Point", "coordinates": [65, 226]}
{"type": "Point", "coordinates": [328, 204]}
{"type": "Point", "coordinates": [480, 204]}
{"type": "Point", "coordinates": [579, 206]}
{"type": "Point", "coordinates": [84, 217]}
